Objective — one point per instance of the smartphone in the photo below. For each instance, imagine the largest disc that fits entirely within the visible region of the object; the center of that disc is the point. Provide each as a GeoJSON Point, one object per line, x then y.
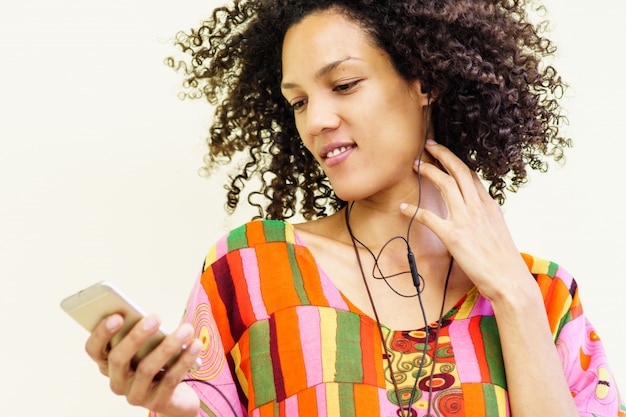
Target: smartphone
{"type": "Point", "coordinates": [89, 306]}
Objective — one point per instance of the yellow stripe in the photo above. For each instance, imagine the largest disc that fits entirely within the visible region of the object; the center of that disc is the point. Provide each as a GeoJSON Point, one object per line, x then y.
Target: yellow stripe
{"type": "Point", "coordinates": [211, 256]}
{"type": "Point", "coordinates": [332, 400]}
{"type": "Point", "coordinates": [468, 305]}
{"type": "Point", "coordinates": [501, 400]}
{"type": "Point", "coordinates": [241, 377]}
{"type": "Point", "coordinates": [290, 235]}
{"type": "Point", "coordinates": [328, 326]}
{"type": "Point", "coordinates": [540, 266]}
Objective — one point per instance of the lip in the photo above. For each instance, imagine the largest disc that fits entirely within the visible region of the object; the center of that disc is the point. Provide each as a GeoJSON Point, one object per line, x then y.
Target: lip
{"type": "Point", "coordinates": [341, 151]}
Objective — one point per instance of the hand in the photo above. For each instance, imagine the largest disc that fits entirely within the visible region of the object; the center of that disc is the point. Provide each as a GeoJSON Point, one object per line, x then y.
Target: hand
{"type": "Point", "coordinates": [167, 396]}
{"type": "Point", "coordinates": [474, 231]}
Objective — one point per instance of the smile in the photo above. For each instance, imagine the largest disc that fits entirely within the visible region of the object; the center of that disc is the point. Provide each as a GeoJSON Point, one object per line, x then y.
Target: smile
{"type": "Point", "coordinates": [337, 151]}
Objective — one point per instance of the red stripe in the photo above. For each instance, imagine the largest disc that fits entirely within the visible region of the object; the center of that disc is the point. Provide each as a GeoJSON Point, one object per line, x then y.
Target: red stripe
{"type": "Point", "coordinates": [479, 347]}
{"type": "Point", "coordinates": [367, 353]}
{"type": "Point", "coordinates": [279, 382]}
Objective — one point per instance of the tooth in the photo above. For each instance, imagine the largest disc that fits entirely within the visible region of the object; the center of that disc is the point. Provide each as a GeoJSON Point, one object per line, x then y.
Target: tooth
{"type": "Point", "coordinates": [337, 151]}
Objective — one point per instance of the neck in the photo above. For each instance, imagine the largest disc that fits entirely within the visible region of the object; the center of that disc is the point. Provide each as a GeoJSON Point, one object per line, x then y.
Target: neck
{"type": "Point", "coordinates": [375, 221]}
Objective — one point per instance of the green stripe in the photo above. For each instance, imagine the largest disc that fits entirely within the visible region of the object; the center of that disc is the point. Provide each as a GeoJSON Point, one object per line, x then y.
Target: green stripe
{"type": "Point", "coordinates": [205, 408]}
{"type": "Point", "coordinates": [493, 350]}
{"type": "Point", "coordinates": [237, 239]}
{"type": "Point", "coordinates": [298, 283]}
{"type": "Point", "coordinates": [491, 401]}
{"type": "Point", "coordinates": [261, 363]}
{"type": "Point", "coordinates": [274, 231]}
{"type": "Point", "coordinates": [552, 269]}
{"type": "Point", "coordinates": [346, 400]}
{"type": "Point", "coordinates": [567, 317]}
{"type": "Point", "coordinates": [349, 356]}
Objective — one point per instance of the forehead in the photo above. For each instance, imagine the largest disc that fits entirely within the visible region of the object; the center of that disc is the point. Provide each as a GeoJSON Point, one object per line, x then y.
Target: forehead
{"type": "Point", "coordinates": [322, 38]}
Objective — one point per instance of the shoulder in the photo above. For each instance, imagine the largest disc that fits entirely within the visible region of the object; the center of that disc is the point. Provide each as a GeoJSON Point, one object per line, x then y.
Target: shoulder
{"type": "Point", "coordinates": [559, 290]}
{"type": "Point", "coordinates": [549, 273]}
{"type": "Point", "coordinates": [251, 235]}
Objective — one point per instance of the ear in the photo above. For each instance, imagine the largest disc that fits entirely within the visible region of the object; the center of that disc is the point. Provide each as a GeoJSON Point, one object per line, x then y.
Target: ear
{"type": "Point", "coordinates": [425, 98]}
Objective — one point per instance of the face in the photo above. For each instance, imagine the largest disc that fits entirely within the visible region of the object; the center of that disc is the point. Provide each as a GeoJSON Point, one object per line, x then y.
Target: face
{"type": "Point", "coordinates": [360, 119]}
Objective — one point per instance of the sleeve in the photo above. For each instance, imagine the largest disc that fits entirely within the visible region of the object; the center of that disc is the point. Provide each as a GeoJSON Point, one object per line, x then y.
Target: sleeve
{"type": "Point", "coordinates": [582, 354]}
{"type": "Point", "coordinates": [212, 380]}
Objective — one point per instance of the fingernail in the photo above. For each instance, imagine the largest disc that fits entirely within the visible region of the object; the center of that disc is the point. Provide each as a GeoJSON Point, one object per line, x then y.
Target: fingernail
{"type": "Point", "coordinates": [195, 347]}
{"type": "Point", "coordinates": [431, 142]}
{"type": "Point", "coordinates": [417, 162]}
{"type": "Point", "coordinates": [149, 323]}
{"type": "Point", "coordinates": [403, 206]}
{"type": "Point", "coordinates": [184, 333]}
{"type": "Point", "coordinates": [113, 323]}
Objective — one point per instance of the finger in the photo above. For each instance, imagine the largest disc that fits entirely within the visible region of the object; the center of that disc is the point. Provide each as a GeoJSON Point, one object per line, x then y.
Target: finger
{"type": "Point", "coordinates": [446, 185]}
{"type": "Point", "coordinates": [456, 168]}
{"type": "Point", "coordinates": [177, 371]}
{"type": "Point", "coordinates": [426, 217]}
{"type": "Point", "coordinates": [97, 345]}
{"type": "Point", "coordinates": [172, 347]}
{"type": "Point", "coordinates": [165, 397]}
{"type": "Point", "coordinates": [153, 370]}
{"type": "Point", "coordinates": [485, 197]}
{"type": "Point", "coordinates": [121, 355]}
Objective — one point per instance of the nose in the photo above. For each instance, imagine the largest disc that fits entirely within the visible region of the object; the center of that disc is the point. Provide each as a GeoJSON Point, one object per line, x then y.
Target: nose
{"type": "Point", "coordinates": [321, 116]}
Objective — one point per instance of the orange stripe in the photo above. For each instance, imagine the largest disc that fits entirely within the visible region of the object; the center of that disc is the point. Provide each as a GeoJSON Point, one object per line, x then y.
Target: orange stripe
{"type": "Point", "coordinates": [557, 297]}
{"type": "Point", "coordinates": [474, 399]}
{"type": "Point", "coordinates": [219, 309]}
{"type": "Point", "coordinates": [274, 268]}
{"type": "Point", "coordinates": [576, 308]}
{"type": "Point", "coordinates": [307, 402]}
{"type": "Point", "coordinates": [544, 283]}
{"type": "Point", "coordinates": [291, 356]}
{"type": "Point", "coordinates": [255, 233]}
{"type": "Point", "coordinates": [378, 359]}
{"type": "Point", "coordinates": [366, 401]}
{"type": "Point", "coordinates": [267, 410]}
{"type": "Point", "coordinates": [310, 277]}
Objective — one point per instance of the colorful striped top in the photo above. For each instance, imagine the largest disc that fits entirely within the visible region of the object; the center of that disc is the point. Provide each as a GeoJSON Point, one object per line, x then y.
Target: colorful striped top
{"type": "Point", "coordinates": [281, 340]}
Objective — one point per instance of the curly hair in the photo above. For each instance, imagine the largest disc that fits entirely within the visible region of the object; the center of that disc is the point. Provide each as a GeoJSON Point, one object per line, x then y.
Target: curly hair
{"type": "Point", "coordinates": [495, 103]}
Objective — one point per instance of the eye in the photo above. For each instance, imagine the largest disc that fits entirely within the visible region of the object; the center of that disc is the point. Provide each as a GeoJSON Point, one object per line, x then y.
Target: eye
{"type": "Point", "coordinates": [342, 88]}
{"type": "Point", "coordinates": [297, 105]}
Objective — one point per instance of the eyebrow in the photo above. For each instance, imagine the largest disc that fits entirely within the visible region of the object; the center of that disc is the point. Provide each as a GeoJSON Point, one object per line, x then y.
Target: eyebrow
{"type": "Point", "coordinates": [322, 71]}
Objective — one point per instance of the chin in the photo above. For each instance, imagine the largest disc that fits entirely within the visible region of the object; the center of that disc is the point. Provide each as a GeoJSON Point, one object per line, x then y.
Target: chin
{"type": "Point", "coordinates": [350, 193]}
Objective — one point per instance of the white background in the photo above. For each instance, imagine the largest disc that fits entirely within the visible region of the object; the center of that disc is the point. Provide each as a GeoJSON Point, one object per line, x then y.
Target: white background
{"type": "Point", "coordinates": [98, 180]}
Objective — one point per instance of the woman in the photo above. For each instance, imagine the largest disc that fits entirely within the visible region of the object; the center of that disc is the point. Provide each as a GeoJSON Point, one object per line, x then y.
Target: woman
{"type": "Point", "coordinates": [403, 294]}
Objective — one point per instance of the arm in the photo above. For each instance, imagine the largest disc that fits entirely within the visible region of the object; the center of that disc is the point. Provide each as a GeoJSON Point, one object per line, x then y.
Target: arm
{"type": "Point", "coordinates": [534, 371]}
{"type": "Point", "coordinates": [169, 397]}
{"type": "Point", "coordinates": [475, 229]}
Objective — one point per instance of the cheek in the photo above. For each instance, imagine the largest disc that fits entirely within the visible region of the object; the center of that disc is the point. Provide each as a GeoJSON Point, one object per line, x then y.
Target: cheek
{"type": "Point", "coordinates": [302, 132]}
{"type": "Point", "coordinates": [306, 140]}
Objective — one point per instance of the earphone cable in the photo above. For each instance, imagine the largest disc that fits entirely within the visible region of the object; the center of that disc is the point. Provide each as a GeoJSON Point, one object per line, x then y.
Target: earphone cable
{"type": "Point", "coordinates": [208, 384]}
{"type": "Point", "coordinates": [376, 258]}
{"type": "Point", "coordinates": [382, 337]}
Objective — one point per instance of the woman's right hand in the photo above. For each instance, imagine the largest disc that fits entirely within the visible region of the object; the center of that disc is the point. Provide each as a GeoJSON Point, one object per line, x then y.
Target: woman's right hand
{"type": "Point", "coordinates": [165, 396]}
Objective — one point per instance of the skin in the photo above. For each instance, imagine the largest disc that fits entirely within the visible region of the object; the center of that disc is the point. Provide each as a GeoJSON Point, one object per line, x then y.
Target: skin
{"type": "Point", "coordinates": [347, 96]}
{"type": "Point", "coordinates": [457, 215]}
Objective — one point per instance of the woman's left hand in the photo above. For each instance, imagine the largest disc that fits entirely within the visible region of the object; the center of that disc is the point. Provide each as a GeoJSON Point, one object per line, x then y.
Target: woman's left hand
{"type": "Point", "coordinates": [474, 231]}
